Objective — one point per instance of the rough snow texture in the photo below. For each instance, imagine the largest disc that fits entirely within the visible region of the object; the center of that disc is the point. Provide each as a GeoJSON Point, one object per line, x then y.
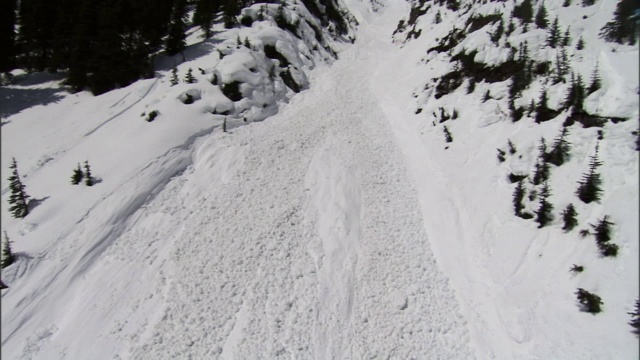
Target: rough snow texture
{"type": "Point", "coordinates": [340, 227]}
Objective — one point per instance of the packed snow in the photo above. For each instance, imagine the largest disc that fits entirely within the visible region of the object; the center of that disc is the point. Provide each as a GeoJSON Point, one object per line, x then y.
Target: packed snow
{"type": "Point", "coordinates": [337, 224]}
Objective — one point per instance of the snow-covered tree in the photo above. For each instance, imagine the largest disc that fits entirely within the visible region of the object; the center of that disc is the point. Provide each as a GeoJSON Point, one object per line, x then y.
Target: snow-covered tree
{"type": "Point", "coordinates": [189, 79]}
{"type": "Point", "coordinates": [77, 175]}
{"type": "Point", "coordinates": [18, 199]}
{"type": "Point", "coordinates": [174, 77]}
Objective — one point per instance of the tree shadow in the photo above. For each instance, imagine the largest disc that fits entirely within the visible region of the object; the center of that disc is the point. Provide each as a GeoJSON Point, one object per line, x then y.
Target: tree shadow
{"type": "Point", "coordinates": [13, 100]}
{"type": "Point", "coordinates": [34, 203]}
{"type": "Point", "coordinates": [165, 62]}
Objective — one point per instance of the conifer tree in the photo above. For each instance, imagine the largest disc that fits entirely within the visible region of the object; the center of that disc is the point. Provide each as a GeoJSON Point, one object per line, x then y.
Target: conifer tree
{"type": "Point", "coordinates": [87, 174]}
{"type": "Point", "coordinates": [624, 26]}
{"type": "Point", "coordinates": [589, 187]}
{"type": "Point", "coordinates": [518, 195]}
{"type": "Point", "coordinates": [532, 107]}
{"type": "Point", "coordinates": [580, 44]}
{"type": "Point", "coordinates": [554, 34]}
{"type": "Point", "coordinates": [204, 15]}
{"type": "Point", "coordinates": [560, 149]}
{"type": "Point", "coordinates": [589, 302]}
{"type": "Point", "coordinates": [566, 39]}
{"type": "Point", "coordinates": [7, 253]}
{"type": "Point", "coordinates": [501, 155]}
{"type": "Point", "coordinates": [541, 17]}
{"type": "Point", "coordinates": [569, 218]}
{"type": "Point", "coordinates": [566, 3]}
{"type": "Point", "coordinates": [541, 171]}
{"type": "Point", "coordinates": [189, 79]}
{"type": "Point", "coordinates": [635, 319]}
{"type": "Point", "coordinates": [596, 83]}
{"type": "Point", "coordinates": [542, 107]}
{"type": "Point", "coordinates": [247, 44]}
{"type": "Point", "coordinates": [602, 233]}
{"type": "Point", "coordinates": [586, 3]}
{"type": "Point", "coordinates": [175, 42]}
{"type": "Point", "coordinates": [511, 147]}
{"type": "Point", "coordinates": [77, 175]}
{"type": "Point", "coordinates": [438, 18]}
{"type": "Point", "coordinates": [543, 213]}
{"type": "Point", "coordinates": [174, 77]}
{"type": "Point", "coordinates": [524, 11]}
{"type": "Point", "coordinates": [447, 135]}
{"type": "Point", "coordinates": [575, 95]}
{"type": "Point", "coordinates": [18, 198]}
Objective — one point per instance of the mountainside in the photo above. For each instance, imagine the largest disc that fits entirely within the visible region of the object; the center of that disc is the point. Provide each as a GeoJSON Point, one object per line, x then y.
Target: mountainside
{"type": "Point", "coordinates": [341, 180]}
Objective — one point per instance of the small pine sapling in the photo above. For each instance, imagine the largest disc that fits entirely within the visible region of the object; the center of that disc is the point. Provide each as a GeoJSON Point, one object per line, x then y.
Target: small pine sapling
{"type": "Point", "coordinates": [569, 218]}
{"type": "Point", "coordinates": [589, 188]}
{"type": "Point", "coordinates": [580, 44]}
{"type": "Point", "coordinates": [77, 176]}
{"type": "Point", "coordinates": [7, 254]}
{"type": "Point", "coordinates": [512, 148]}
{"type": "Point", "coordinates": [589, 302]}
{"type": "Point", "coordinates": [87, 174]}
{"type": "Point", "coordinates": [635, 319]}
{"type": "Point", "coordinates": [576, 269]}
{"type": "Point", "coordinates": [447, 135]}
{"type": "Point", "coordinates": [560, 149]}
{"type": "Point", "coordinates": [501, 154]}
{"type": "Point", "coordinates": [247, 44]}
{"type": "Point", "coordinates": [518, 195]}
{"type": "Point", "coordinates": [18, 199]}
{"type": "Point", "coordinates": [174, 77]}
{"type": "Point", "coordinates": [543, 213]}
{"type": "Point", "coordinates": [584, 233]}
{"type": "Point", "coordinates": [189, 79]}
{"type": "Point", "coordinates": [471, 85]}
{"type": "Point", "coordinates": [566, 39]}
{"type": "Point", "coordinates": [224, 125]}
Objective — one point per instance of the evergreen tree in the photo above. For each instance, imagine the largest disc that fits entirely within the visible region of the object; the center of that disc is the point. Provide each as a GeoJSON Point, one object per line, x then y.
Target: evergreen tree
{"type": "Point", "coordinates": [560, 149]}
{"type": "Point", "coordinates": [541, 171]}
{"type": "Point", "coordinates": [575, 95]}
{"type": "Point", "coordinates": [602, 230]}
{"type": "Point", "coordinates": [230, 9]}
{"type": "Point", "coordinates": [174, 77]}
{"type": "Point", "coordinates": [501, 154]}
{"type": "Point", "coordinates": [438, 18]}
{"type": "Point", "coordinates": [554, 34]}
{"type": "Point", "coordinates": [204, 15]}
{"type": "Point", "coordinates": [77, 175]}
{"type": "Point", "coordinates": [542, 107]}
{"type": "Point", "coordinates": [18, 198]}
{"type": "Point", "coordinates": [569, 218]}
{"type": "Point", "coordinates": [524, 11]}
{"type": "Point", "coordinates": [635, 319]}
{"type": "Point", "coordinates": [447, 135]}
{"type": "Point", "coordinates": [532, 107]}
{"type": "Point", "coordinates": [189, 79]}
{"type": "Point", "coordinates": [246, 43]}
{"type": "Point", "coordinates": [7, 34]}
{"type": "Point", "coordinates": [589, 302]}
{"type": "Point", "coordinates": [511, 147]}
{"type": "Point", "coordinates": [624, 27]}
{"type": "Point", "coordinates": [596, 83]}
{"type": "Point", "coordinates": [586, 3]}
{"type": "Point", "coordinates": [580, 44]}
{"type": "Point", "coordinates": [589, 187]}
{"type": "Point", "coordinates": [87, 174]}
{"type": "Point", "coordinates": [566, 3]}
{"type": "Point", "coordinates": [495, 37]}
{"type": "Point", "coordinates": [543, 213]}
{"type": "Point", "coordinates": [518, 195]}
{"type": "Point", "coordinates": [566, 39]}
{"type": "Point", "coordinates": [175, 42]}
{"type": "Point", "coordinates": [541, 17]}
{"type": "Point", "coordinates": [7, 254]}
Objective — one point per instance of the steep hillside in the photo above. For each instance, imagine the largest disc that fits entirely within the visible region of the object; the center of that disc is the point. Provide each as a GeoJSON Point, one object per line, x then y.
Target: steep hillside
{"type": "Point", "coordinates": [477, 72]}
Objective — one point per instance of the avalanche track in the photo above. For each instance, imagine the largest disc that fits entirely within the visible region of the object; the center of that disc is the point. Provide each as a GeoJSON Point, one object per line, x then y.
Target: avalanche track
{"type": "Point", "coordinates": [297, 237]}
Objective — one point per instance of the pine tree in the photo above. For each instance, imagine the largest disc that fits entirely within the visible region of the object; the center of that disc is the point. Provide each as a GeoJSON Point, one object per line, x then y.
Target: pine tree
{"type": "Point", "coordinates": [176, 39]}
{"type": "Point", "coordinates": [204, 15]}
{"type": "Point", "coordinates": [602, 230]}
{"type": "Point", "coordinates": [18, 198]}
{"type": "Point", "coordinates": [635, 319]}
{"type": "Point", "coordinates": [189, 79]}
{"type": "Point", "coordinates": [543, 213]}
{"type": "Point", "coordinates": [174, 77]}
{"type": "Point", "coordinates": [511, 147]}
{"type": "Point", "coordinates": [87, 174]}
{"type": "Point", "coordinates": [532, 107]}
{"type": "Point", "coordinates": [566, 3]}
{"type": "Point", "coordinates": [589, 302]}
{"type": "Point", "coordinates": [486, 96]}
{"type": "Point", "coordinates": [438, 18]}
{"type": "Point", "coordinates": [495, 37]}
{"type": "Point", "coordinates": [580, 44]}
{"type": "Point", "coordinates": [541, 17]}
{"type": "Point", "coordinates": [586, 3]}
{"type": "Point", "coordinates": [541, 171]}
{"type": "Point", "coordinates": [566, 39]}
{"type": "Point", "coordinates": [224, 125]}
{"type": "Point", "coordinates": [77, 175]}
{"type": "Point", "coordinates": [247, 44]}
{"type": "Point", "coordinates": [7, 254]}
{"type": "Point", "coordinates": [575, 95]}
{"type": "Point", "coordinates": [518, 195]}
{"type": "Point", "coordinates": [501, 154]}
{"type": "Point", "coordinates": [560, 149]}
{"type": "Point", "coordinates": [589, 187]}
{"type": "Point", "coordinates": [569, 218]}
{"type": "Point", "coordinates": [7, 35]}
{"type": "Point", "coordinates": [447, 135]}
{"type": "Point", "coordinates": [596, 83]}
{"type": "Point", "coordinates": [542, 107]}
{"type": "Point", "coordinates": [554, 34]}
{"type": "Point", "coordinates": [524, 11]}
{"type": "Point", "coordinates": [624, 27]}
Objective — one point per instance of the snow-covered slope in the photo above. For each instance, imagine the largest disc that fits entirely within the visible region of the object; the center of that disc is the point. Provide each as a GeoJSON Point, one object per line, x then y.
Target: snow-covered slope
{"type": "Point", "coordinates": [339, 227]}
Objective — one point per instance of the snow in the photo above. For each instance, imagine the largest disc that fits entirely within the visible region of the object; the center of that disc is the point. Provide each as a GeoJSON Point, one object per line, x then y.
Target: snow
{"type": "Point", "coordinates": [337, 225]}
